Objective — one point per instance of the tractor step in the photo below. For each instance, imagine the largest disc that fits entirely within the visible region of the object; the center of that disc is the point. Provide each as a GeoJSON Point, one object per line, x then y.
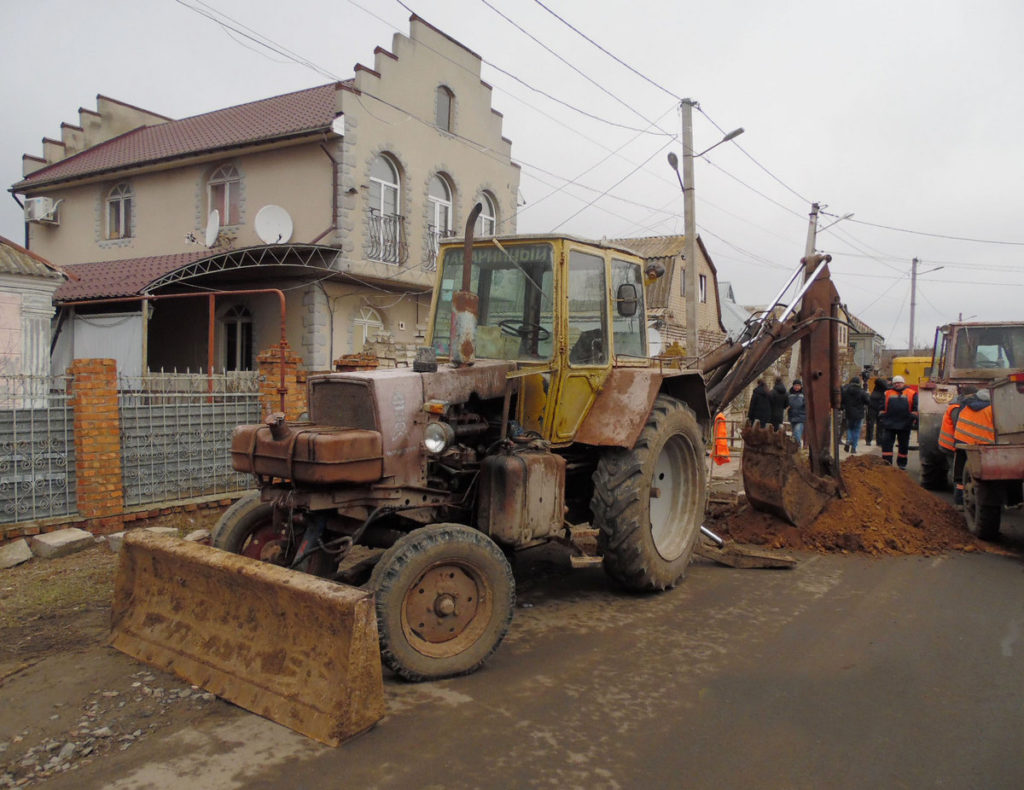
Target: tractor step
{"type": "Point", "coordinates": [584, 561]}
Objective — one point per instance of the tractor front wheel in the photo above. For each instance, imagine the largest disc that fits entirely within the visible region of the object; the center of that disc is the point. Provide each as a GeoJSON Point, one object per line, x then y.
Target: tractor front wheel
{"type": "Point", "coordinates": [444, 596]}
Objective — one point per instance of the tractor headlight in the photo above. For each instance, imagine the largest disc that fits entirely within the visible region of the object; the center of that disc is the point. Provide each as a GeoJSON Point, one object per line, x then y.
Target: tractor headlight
{"type": "Point", "coordinates": [437, 437]}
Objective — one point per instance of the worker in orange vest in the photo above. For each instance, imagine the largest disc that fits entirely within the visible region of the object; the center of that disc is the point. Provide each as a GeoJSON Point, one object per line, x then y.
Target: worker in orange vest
{"type": "Point", "coordinates": [897, 416]}
{"type": "Point", "coordinates": [973, 425]}
{"type": "Point", "coordinates": [720, 451]}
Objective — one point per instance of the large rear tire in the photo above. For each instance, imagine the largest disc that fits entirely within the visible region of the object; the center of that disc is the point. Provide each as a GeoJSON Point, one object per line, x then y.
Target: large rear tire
{"type": "Point", "coordinates": [444, 596]}
{"type": "Point", "coordinates": [982, 519]}
{"type": "Point", "coordinates": [648, 502]}
{"type": "Point", "coordinates": [247, 528]}
{"type": "Point", "coordinates": [934, 470]}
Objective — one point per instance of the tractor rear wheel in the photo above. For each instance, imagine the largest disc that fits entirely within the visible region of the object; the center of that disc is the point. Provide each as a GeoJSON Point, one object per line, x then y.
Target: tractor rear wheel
{"type": "Point", "coordinates": [648, 502]}
{"type": "Point", "coordinates": [247, 528]}
{"type": "Point", "coordinates": [934, 470]}
{"type": "Point", "coordinates": [444, 597]}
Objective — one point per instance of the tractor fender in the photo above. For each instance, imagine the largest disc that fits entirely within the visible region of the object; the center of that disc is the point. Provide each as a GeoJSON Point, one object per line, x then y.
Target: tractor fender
{"type": "Point", "coordinates": [624, 403]}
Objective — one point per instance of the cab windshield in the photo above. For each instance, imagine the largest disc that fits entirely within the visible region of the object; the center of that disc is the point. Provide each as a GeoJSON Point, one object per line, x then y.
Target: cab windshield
{"type": "Point", "coordinates": [990, 347]}
{"type": "Point", "coordinates": [514, 284]}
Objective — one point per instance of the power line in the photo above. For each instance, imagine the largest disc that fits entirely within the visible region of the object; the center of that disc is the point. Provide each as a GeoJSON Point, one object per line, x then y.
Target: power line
{"type": "Point", "coordinates": [575, 68]}
{"type": "Point", "coordinates": [609, 54]}
{"type": "Point", "coordinates": [938, 235]}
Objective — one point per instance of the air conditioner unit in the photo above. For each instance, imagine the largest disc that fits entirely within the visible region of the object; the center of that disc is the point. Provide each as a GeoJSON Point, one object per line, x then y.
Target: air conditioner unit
{"type": "Point", "coordinates": [41, 209]}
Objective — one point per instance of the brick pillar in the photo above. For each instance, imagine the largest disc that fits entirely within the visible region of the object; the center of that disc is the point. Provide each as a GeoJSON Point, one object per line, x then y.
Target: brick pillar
{"type": "Point", "coordinates": [270, 362]}
{"type": "Point", "coordinates": [100, 494]}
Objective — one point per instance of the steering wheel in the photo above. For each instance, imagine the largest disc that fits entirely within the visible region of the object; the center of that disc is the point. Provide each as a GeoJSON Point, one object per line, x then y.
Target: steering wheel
{"type": "Point", "coordinates": [523, 329]}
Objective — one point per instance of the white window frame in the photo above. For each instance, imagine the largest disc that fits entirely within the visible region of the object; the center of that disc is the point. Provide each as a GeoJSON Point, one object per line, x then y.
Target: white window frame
{"type": "Point", "coordinates": [440, 207]}
{"type": "Point", "coordinates": [368, 318]}
{"type": "Point", "coordinates": [702, 288]}
{"type": "Point", "coordinates": [239, 316]}
{"type": "Point", "coordinates": [487, 222]}
{"type": "Point", "coordinates": [226, 176]}
{"type": "Point", "coordinates": [120, 198]}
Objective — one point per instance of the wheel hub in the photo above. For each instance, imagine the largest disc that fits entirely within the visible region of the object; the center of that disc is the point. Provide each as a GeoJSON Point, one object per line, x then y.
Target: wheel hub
{"type": "Point", "coordinates": [441, 604]}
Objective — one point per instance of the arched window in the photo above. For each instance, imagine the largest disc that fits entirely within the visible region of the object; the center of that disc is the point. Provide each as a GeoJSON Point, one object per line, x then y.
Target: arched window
{"type": "Point", "coordinates": [439, 194]}
{"type": "Point", "coordinates": [384, 185]}
{"type": "Point", "coordinates": [237, 323]}
{"type": "Point", "coordinates": [366, 325]}
{"type": "Point", "coordinates": [119, 211]}
{"type": "Point", "coordinates": [224, 192]}
{"type": "Point", "coordinates": [487, 222]}
{"type": "Point", "coordinates": [445, 102]}
{"type": "Point", "coordinates": [386, 242]}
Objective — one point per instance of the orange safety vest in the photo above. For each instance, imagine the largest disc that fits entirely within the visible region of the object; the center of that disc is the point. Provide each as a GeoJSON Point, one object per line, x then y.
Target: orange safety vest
{"type": "Point", "coordinates": [975, 427]}
{"type": "Point", "coordinates": [947, 435]}
{"type": "Point", "coordinates": [720, 453]}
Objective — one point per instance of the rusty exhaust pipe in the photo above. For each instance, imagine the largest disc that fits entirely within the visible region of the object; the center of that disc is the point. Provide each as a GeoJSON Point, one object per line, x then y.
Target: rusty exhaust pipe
{"type": "Point", "coordinates": [465, 303]}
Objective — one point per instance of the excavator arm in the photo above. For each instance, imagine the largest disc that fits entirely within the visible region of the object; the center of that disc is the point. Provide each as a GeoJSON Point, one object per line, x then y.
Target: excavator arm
{"type": "Point", "coordinates": [775, 476]}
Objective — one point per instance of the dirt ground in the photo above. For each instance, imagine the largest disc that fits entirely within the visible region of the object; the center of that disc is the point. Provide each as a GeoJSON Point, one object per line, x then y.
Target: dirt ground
{"type": "Point", "coordinates": [86, 700]}
{"type": "Point", "coordinates": [884, 512]}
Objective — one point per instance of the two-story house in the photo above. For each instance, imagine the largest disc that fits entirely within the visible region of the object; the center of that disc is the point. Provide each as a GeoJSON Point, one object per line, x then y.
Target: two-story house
{"type": "Point", "coordinates": [336, 195]}
{"type": "Point", "coordinates": [666, 296]}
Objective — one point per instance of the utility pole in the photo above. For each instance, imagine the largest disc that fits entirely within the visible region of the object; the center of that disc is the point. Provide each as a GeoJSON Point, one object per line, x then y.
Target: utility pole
{"type": "Point", "coordinates": [690, 229]}
{"type": "Point", "coordinates": [913, 301]}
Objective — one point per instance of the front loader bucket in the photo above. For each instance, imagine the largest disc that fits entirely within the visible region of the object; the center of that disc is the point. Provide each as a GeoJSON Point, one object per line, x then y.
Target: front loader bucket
{"type": "Point", "coordinates": [777, 480]}
{"type": "Point", "coordinates": [296, 649]}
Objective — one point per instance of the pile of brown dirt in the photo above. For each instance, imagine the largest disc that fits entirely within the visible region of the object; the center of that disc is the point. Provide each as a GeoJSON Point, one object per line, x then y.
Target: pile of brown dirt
{"type": "Point", "coordinates": [885, 512]}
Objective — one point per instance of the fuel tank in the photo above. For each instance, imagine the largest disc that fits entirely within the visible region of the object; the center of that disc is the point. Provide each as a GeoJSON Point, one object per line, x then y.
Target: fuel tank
{"type": "Point", "coordinates": [522, 495]}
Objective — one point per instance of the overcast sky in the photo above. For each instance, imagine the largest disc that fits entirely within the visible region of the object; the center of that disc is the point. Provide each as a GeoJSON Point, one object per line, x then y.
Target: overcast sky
{"type": "Point", "coordinates": [902, 113]}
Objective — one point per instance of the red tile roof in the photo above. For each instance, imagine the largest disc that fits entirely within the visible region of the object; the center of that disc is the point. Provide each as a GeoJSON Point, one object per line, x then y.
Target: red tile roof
{"type": "Point", "coordinates": [301, 112]}
{"type": "Point", "coordinates": [110, 279]}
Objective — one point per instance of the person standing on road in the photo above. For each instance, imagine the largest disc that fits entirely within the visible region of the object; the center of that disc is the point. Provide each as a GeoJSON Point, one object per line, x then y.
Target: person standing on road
{"type": "Point", "coordinates": [897, 416]}
{"type": "Point", "coordinates": [972, 425]}
{"type": "Point", "coordinates": [854, 403]}
{"type": "Point", "coordinates": [797, 410]}
{"type": "Point", "coordinates": [780, 400]}
{"type": "Point", "coordinates": [876, 400]}
{"type": "Point", "coordinates": [760, 405]}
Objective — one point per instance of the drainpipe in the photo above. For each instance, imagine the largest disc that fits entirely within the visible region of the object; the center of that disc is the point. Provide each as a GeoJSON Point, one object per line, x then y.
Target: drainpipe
{"type": "Point", "coordinates": [334, 194]}
{"type": "Point", "coordinates": [22, 207]}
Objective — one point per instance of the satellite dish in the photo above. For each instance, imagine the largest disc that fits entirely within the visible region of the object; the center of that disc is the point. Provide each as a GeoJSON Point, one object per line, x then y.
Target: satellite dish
{"type": "Point", "coordinates": [273, 225]}
{"type": "Point", "coordinates": [212, 227]}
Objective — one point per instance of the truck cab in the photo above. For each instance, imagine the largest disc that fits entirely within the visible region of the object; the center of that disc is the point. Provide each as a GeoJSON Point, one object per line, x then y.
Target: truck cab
{"type": "Point", "coordinates": [965, 354]}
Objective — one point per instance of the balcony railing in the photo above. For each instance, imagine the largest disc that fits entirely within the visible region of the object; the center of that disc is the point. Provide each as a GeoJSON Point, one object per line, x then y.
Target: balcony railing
{"type": "Point", "coordinates": [385, 239]}
{"type": "Point", "coordinates": [430, 249]}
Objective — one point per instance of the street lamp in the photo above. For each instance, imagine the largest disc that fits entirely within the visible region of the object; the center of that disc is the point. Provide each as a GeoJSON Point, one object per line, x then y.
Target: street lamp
{"type": "Point", "coordinates": [690, 219]}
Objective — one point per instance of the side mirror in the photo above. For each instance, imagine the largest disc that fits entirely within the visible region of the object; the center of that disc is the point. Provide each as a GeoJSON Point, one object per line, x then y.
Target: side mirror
{"type": "Point", "coordinates": [627, 300]}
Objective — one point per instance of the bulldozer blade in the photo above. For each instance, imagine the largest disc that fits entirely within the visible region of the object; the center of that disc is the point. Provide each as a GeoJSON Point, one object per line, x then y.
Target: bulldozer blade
{"type": "Point", "coordinates": [778, 481]}
{"type": "Point", "coordinates": [296, 649]}
{"type": "Point", "coordinates": [735, 555]}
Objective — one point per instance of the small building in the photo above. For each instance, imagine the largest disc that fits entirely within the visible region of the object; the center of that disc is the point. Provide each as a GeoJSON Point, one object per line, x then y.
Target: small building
{"type": "Point", "coordinates": [27, 285]}
{"type": "Point", "coordinates": [666, 296]}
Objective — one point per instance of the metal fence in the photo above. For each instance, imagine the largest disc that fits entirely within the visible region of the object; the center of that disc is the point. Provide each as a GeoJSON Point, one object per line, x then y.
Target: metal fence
{"type": "Point", "coordinates": [37, 448]}
{"type": "Point", "coordinates": [176, 433]}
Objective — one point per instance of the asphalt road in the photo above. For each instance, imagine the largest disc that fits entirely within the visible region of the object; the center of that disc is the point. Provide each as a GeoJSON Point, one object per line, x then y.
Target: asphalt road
{"type": "Point", "coordinates": [846, 672]}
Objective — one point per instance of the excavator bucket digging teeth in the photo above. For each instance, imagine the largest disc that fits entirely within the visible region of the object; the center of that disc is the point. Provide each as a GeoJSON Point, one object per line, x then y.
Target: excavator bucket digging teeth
{"type": "Point", "coordinates": [778, 481]}
{"type": "Point", "coordinates": [296, 649]}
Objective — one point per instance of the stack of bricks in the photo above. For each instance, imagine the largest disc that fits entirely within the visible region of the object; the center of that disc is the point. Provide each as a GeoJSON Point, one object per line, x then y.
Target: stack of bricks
{"type": "Point", "coordinates": [100, 496]}
{"type": "Point", "coordinates": [270, 362]}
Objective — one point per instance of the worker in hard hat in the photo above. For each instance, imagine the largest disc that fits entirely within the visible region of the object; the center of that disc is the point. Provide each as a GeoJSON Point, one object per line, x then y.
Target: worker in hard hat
{"type": "Point", "coordinates": [899, 410]}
